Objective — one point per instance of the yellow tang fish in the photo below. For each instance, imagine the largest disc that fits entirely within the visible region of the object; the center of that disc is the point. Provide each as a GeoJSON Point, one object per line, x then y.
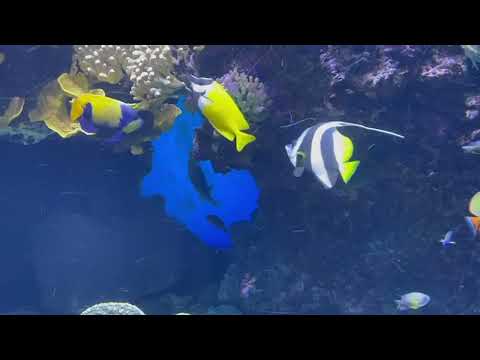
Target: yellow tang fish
{"type": "Point", "coordinates": [96, 112]}
{"type": "Point", "coordinates": [221, 111]}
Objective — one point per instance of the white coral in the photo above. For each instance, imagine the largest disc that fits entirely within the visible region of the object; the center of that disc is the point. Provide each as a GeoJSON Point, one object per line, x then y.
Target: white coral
{"type": "Point", "coordinates": [150, 68]}
{"type": "Point", "coordinates": [102, 62]}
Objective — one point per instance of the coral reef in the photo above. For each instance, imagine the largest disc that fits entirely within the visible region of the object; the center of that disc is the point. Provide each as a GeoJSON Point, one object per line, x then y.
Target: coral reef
{"type": "Point", "coordinates": [428, 93]}
{"type": "Point", "coordinates": [150, 68]}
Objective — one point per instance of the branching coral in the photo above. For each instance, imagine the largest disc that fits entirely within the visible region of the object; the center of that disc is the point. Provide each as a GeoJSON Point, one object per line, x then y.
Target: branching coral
{"type": "Point", "coordinates": [102, 62]}
{"type": "Point", "coordinates": [150, 68]}
{"type": "Point", "coordinates": [249, 93]}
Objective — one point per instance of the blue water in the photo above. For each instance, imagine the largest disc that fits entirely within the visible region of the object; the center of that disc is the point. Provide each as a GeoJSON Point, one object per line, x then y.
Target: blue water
{"type": "Point", "coordinates": [82, 224]}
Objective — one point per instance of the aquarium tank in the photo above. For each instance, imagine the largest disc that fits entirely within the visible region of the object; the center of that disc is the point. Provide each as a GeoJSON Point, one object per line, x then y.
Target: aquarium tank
{"type": "Point", "coordinates": [240, 179]}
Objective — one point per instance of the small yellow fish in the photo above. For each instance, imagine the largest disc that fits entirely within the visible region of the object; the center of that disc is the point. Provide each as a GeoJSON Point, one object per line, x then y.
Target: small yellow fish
{"type": "Point", "coordinates": [2, 58]}
{"type": "Point", "coordinates": [221, 111]}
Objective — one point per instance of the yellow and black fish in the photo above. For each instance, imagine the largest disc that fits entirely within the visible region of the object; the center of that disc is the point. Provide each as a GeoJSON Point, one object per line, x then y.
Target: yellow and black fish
{"type": "Point", "coordinates": [97, 113]}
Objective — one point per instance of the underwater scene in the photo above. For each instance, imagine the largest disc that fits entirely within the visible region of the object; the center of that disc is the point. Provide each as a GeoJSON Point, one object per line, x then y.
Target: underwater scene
{"type": "Point", "coordinates": [240, 179]}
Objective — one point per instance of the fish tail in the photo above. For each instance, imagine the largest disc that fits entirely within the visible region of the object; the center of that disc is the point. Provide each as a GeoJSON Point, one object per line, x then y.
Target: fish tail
{"type": "Point", "coordinates": [243, 139]}
{"type": "Point", "coordinates": [348, 169]}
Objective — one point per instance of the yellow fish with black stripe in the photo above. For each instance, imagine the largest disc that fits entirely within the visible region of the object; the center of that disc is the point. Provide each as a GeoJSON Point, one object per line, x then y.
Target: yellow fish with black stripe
{"type": "Point", "coordinates": [221, 111]}
{"type": "Point", "coordinates": [101, 114]}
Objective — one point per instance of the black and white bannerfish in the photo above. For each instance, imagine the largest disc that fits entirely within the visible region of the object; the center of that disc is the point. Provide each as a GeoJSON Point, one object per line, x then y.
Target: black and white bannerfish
{"type": "Point", "coordinates": [324, 151]}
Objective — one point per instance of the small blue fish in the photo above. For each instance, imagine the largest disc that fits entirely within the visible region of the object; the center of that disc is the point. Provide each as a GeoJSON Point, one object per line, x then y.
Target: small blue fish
{"type": "Point", "coordinates": [447, 239]}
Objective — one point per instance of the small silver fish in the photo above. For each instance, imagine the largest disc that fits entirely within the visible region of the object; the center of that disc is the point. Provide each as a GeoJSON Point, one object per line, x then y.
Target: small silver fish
{"type": "Point", "coordinates": [413, 300]}
{"type": "Point", "coordinates": [447, 240]}
{"type": "Point", "coordinates": [472, 147]}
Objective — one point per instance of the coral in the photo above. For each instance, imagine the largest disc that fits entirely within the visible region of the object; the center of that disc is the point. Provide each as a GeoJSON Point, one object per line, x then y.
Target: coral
{"type": "Point", "coordinates": [249, 93]}
{"type": "Point", "coordinates": [14, 109]}
{"type": "Point", "coordinates": [444, 66]}
{"type": "Point", "coordinates": [51, 108]}
{"type": "Point", "coordinates": [75, 85]}
{"type": "Point", "coordinates": [150, 68]}
{"type": "Point", "coordinates": [472, 104]}
{"type": "Point", "coordinates": [26, 133]}
{"type": "Point", "coordinates": [113, 308]}
{"type": "Point", "coordinates": [472, 52]}
{"type": "Point", "coordinates": [102, 62]}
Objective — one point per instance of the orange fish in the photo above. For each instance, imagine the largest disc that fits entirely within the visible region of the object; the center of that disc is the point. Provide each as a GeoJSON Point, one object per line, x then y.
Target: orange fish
{"type": "Point", "coordinates": [473, 223]}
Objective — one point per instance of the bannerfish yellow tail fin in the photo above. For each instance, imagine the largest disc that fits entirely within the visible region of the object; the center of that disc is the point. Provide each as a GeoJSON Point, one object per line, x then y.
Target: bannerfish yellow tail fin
{"type": "Point", "coordinates": [348, 169]}
{"type": "Point", "coordinates": [243, 139]}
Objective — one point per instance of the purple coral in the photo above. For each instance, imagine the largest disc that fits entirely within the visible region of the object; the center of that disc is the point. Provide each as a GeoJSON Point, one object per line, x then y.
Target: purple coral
{"type": "Point", "coordinates": [444, 67]}
{"type": "Point", "coordinates": [249, 93]}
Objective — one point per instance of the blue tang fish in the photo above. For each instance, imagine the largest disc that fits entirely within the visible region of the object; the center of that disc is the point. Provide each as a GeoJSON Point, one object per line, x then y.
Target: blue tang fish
{"type": "Point", "coordinates": [98, 113]}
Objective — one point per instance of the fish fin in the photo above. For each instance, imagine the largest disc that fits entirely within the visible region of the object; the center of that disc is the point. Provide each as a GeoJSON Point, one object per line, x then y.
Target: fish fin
{"type": "Point", "coordinates": [473, 223]}
{"type": "Point", "coordinates": [86, 121]}
{"type": "Point", "coordinates": [243, 139]}
{"type": "Point", "coordinates": [225, 133]}
{"type": "Point", "coordinates": [344, 123]}
{"type": "Point", "coordinates": [133, 126]}
{"type": "Point", "coordinates": [348, 169]}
